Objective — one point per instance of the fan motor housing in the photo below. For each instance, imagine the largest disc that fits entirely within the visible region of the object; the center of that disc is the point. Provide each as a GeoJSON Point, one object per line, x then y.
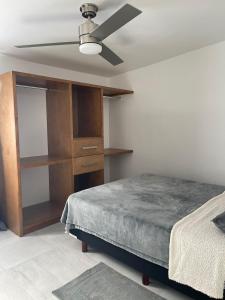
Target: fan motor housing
{"type": "Point", "coordinates": [84, 32]}
{"type": "Point", "coordinates": [87, 27]}
{"type": "Point", "coordinates": [89, 10]}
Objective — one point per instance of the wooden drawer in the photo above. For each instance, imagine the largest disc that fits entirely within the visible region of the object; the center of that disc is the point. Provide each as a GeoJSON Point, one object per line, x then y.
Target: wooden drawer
{"type": "Point", "coordinates": [88, 164]}
{"type": "Point", "coordinates": [87, 146]}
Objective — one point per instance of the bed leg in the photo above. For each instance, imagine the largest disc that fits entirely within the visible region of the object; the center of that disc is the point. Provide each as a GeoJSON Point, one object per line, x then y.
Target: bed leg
{"type": "Point", "coordinates": [145, 279]}
{"type": "Point", "coordinates": [84, 247]}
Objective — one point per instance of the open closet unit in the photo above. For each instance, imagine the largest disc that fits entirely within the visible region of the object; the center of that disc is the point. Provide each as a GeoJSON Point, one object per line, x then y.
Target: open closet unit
{"type": "Point", "coordinates": [66, 157]}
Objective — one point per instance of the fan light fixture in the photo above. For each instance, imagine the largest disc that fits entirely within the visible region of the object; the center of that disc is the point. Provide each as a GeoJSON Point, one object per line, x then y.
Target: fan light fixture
{"type": "Point", "coordinates": [91, 34]}
{"type": "Point", "coordinates": [90, 48]}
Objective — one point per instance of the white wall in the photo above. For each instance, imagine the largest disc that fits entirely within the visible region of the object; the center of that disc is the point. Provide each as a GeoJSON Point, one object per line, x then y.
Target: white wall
{"type": "Point", "coordinates": [33, 123]}
{"type": "Point", "coordinates": [9, 63]}
{"type": "Point", "coordinates": [175, 121]}
{"type": "Point", "coordinates": [33, 141]}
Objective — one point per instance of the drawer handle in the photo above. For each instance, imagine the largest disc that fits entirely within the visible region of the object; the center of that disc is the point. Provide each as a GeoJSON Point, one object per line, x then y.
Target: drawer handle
{"type": "Point", "coordinates": [89, 147]}
{"type": "Point", "coordinates": [90, 165]}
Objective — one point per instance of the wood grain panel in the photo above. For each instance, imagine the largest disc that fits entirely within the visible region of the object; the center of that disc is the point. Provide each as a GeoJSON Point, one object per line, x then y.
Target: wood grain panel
{"type": "Point", "coordinates": [116, 151]}
{"type": "Point", "coordinates": [88, 164]}
{"type": "Point", "coordinates": [9, 149]}
{"type": "Point", "coordinates": [39, 161]}
{"type": "Point", "coordinates": [75, 112]}
{"type": "Point", "coordinates": [59, 120]}
{"type": "Point", "coordinates": [60, 182]}
{"type": "Point", "coordinates": [60, 140]}
{"type": "Point", "coordinates": [87, 146]}
{"type": "Point", "coordinates": [37, 80]}
{"type": "Point", "coordinates": [115, 92]}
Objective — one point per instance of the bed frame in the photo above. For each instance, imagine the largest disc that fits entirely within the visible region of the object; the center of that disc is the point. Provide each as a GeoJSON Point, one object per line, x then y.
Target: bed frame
{"type": "Point", "coordinates": [148, 269]}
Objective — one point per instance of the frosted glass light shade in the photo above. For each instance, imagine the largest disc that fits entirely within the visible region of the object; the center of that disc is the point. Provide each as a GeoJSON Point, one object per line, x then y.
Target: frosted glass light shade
{"type": "Point", "coordinates": [90, 48]}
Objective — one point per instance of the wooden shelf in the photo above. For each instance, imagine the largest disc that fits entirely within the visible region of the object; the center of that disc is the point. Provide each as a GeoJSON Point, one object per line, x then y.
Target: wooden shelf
{"type": "Point", "coordinates": [49, 82]}
{"type": "Point", "coordinates": [43, 160]}
{"type": "Point", "coordinates": [114, 92]}
{"type": "Point", "coordinates": [116, 151]}
{"type": "Point", "coordinates": [41, 215]}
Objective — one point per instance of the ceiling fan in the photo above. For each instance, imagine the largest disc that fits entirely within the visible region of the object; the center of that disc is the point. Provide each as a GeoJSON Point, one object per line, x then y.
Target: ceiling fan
{"type": "Point", "coordinates": [91, 35]}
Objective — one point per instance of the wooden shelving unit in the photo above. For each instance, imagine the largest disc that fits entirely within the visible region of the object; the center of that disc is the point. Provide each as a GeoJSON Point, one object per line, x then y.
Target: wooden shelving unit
{"type": "Point", "coordinates": [75, 158]}
{"type": "Point", "coordinates": [116, 151]}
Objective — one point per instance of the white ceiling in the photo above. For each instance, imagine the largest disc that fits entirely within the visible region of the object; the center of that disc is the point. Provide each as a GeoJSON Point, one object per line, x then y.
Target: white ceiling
{"type": "Point", "coordinates": [165, 29]}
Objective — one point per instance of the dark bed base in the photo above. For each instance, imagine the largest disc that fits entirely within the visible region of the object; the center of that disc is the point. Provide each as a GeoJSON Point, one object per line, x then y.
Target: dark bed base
{"type": "Point", "coordinates": [147, 268]}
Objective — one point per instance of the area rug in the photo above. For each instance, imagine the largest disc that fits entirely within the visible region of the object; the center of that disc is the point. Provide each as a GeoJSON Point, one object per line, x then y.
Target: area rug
{"type": "Point", "coordinates": [103, 283]}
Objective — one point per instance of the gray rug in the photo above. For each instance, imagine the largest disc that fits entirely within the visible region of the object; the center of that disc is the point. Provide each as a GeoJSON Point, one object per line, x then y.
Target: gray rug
{"type": "Point", "coordinates": [103, 283]}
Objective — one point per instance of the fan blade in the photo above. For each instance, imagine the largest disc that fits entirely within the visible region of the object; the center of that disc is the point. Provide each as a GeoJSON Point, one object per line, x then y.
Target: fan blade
{"type": "Point", "coordinates": [48, 44]}
{"type": "Point", "coordinates": [110, 56]}
{"type": "Point", "coordinates": [116, 21]}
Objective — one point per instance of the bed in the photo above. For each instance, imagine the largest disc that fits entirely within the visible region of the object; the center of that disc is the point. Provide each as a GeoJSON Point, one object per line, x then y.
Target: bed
{"type": "Point", "coordinates": [132, 219]}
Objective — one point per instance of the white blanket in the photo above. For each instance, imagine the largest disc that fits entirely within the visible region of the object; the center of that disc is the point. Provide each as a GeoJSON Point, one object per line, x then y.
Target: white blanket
{"type": "Point", "coordinates": [197, 250]}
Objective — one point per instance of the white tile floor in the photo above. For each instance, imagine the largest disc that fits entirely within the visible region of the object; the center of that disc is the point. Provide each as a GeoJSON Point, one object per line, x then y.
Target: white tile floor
{"type": "Point", "coordinates": [32, 266]}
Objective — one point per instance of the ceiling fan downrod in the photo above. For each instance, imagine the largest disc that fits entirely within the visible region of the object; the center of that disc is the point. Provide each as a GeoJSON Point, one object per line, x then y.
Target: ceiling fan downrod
{"type": "Point", "coordinates": [89, 10]}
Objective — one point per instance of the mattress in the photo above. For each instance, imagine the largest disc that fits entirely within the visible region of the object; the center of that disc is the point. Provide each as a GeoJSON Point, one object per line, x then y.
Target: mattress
{"type": "Point", "coordinates": [137, 214]}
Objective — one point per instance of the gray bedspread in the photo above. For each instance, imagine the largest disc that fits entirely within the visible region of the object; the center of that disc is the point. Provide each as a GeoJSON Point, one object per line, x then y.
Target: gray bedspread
{"type": "Point", "coordinates": [138, 213]}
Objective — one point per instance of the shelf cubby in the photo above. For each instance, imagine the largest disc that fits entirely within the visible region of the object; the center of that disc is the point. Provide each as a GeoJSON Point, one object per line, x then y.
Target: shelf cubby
{"type": "Point", "coordinates": [88, 180]}
{"type": "Point", "coordinates": [87, 111]}
{"type": "Point", "coordinates": [41, 215]}
{"type": "Point", "coordinates": [43, 198]}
